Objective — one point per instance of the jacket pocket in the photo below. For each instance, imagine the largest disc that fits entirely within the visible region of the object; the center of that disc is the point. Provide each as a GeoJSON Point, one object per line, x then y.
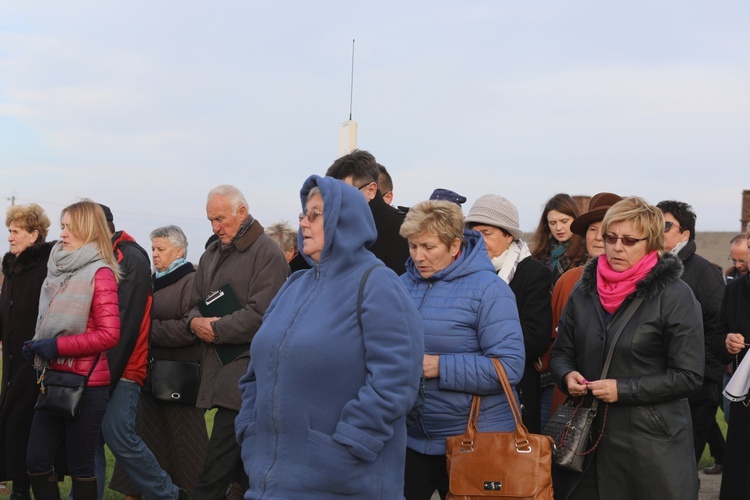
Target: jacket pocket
{"type": "Point", "coordinates": [658, 424]}
{"type": "Point", "coordinates": [331, 468]}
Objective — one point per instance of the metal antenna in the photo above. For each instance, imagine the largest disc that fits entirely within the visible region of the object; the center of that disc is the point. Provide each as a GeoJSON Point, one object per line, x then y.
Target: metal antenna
{"type": "Point", "coordinates": [351, 90]}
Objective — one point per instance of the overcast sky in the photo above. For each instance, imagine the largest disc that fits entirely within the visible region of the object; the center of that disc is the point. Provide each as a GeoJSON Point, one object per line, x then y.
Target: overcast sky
{"type": "Point", "coordinates": [145, 106]}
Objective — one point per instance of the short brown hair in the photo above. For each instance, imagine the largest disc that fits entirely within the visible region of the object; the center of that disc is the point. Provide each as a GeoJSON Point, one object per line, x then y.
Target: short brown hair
{"type": "Point", "coordinates": [646, 219]}
{"type": "Point", "coordinates": [442, 218]}
{"type": "Point", "coordinates": [30, 218]}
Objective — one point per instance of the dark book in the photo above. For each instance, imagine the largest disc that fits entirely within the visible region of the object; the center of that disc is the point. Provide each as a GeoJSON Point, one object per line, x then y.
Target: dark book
{"type": "Point", "coordinates": [223, 302]}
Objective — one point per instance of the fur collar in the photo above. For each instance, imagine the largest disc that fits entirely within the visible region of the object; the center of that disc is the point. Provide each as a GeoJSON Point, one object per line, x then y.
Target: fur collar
{"type": "Point", "coordinates": [13, 265]}
{"type": "Point", "coordinates": [667, 270]}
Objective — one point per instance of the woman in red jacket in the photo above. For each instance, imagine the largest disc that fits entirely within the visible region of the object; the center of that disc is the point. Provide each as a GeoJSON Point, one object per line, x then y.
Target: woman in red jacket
{"type": "Point", "coordinates": [78, 321]}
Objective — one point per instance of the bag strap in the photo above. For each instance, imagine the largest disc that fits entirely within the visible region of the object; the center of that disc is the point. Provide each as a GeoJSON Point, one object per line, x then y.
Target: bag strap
{"type": "Point", "coordinates": [625, 320]}
{"type": "Point", "coordinates": [521, 432]}
{"type": "Point", "coordinates": [361, 292]}
{"type": "Point", "coordinates": [629, 312]}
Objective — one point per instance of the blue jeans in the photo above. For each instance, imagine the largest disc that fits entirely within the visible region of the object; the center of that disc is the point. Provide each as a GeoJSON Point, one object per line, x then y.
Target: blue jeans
{"type": "Point", "coordinates": [118, 430]}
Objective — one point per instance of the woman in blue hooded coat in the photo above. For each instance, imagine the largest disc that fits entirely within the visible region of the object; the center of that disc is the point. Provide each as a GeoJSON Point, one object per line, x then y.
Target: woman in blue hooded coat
{"type": "Point", "coordinates": [469, 316]}
{"type": "Point", "coordinates": [331, 377]}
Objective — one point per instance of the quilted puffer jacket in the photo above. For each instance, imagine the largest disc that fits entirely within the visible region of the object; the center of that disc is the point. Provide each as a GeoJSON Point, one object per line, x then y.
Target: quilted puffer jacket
{"type": "Point", "coordinates": [469, 316]}
{"type": "Point", "coordinates": [102, 333]}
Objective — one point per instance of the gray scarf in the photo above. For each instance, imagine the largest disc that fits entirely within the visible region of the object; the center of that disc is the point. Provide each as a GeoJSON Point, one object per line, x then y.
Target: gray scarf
{"type": "Point", "coordinates": [67, 292]}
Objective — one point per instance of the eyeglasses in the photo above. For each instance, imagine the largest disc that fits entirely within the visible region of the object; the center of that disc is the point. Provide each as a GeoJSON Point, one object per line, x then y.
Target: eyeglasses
{"type": "Point", "coordinates": [628, 241]}
{"type": "Point", "coordinates": [736, 261]}
{"type": "Point", "coordinates": [311, 215]}
{"type": "Point", "coordinates": [668, 226]}
{"type": "Point", "coordinates": [364, 186]}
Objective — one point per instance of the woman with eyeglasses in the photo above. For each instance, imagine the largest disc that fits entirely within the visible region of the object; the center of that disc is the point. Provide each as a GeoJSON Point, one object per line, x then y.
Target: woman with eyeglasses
{"type": "Point", "coordinates": [646, 445]}
{"type": "Point", "coordinates": [335, 367]}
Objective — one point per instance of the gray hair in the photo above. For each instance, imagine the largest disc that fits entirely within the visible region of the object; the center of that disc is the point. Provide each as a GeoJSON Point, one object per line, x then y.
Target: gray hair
{"type": "Point", "coordinates": [174, 235]}
{"type": "Point", "coordinates": [231, 193]}
{"type": "Point", "coordinates": [315, 190]}
{"type": "Point", "coordinates": [284, 235]}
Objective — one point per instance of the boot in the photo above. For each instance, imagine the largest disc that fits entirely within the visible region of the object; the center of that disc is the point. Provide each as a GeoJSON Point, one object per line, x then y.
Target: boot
{"type": "Point", "coordinates": [84, 488]}
{"type": "Point", "coordinates": [44, 485]}
{"type": "Point", "coordinates": [20, 489]}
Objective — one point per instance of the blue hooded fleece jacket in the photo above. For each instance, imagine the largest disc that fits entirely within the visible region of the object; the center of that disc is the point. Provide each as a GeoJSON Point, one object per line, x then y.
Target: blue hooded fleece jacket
{"type": "Point", "coordinates": [323, 401]}
{"type": "Point", "coordinates": [469, 316]}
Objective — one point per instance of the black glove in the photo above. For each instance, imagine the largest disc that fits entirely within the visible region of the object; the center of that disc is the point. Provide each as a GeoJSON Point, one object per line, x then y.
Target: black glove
{"type": "Point", "coordinates": [45, 348]}
{"type": "Point", "coordinates": [28, 354]}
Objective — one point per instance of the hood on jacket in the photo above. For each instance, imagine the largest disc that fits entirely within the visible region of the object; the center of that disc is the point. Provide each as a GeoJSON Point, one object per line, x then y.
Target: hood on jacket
{"type": "Point", "coordinates": [473, 258]}
{"type": "Point", "coordinates": [120, 239]}
{"type": "Point", "coordinates": [347, 222]}
{"type": "Point", "coordinates": [667, 270]}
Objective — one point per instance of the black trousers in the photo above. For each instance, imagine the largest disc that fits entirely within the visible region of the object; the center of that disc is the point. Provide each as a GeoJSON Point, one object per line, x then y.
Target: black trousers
{"type": "Point", "coordinates": [80, 435]}
{"type": "Point", "coordinates": [223, 464]}
{"type": "Point", "coordinates": [425, 474]}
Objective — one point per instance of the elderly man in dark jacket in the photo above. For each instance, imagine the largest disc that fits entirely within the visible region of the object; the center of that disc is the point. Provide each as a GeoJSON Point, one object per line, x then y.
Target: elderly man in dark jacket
{"type": "Point", "coordinates": [249, 268]}
{"type": "Point", "coordinates": [707, 283]}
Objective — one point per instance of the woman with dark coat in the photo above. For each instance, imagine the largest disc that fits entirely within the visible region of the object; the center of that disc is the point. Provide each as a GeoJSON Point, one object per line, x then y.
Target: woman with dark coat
{"type": "Point", "coordinates": [646, 447]}
{"type": "Point", "coordinates": [496, 219]}
{"type": "Point", "coordinates": [175, 432]}
{"type": "Point", "coordinates": [24, 269]}
{"type": "Point", "coordinates": [553, 243]}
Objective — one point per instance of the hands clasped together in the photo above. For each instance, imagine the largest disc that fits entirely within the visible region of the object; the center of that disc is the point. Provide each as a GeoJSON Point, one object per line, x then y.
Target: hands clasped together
{"type": "Point", "coordinates": [605, 390]}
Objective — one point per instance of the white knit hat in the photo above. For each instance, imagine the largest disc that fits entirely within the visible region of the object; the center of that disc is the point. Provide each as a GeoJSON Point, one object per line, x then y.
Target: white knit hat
{"type": "Point", "coordinates": [494, 210]}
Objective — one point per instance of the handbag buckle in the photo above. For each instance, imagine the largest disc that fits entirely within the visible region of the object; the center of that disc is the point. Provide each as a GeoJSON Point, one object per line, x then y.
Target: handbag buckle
{"type": "Point", "coordinates": [523, 447]}
{"type": "Point", "coordinates": [466, 446]}
{"type": "Point", "coordinates": [493, 485]}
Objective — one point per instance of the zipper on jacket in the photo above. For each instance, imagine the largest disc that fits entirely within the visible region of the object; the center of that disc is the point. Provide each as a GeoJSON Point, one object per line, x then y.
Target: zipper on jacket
{"type": "Point", "coordinates": [274, 397]}
{"type": "Point", "coordinates": [429, 287]}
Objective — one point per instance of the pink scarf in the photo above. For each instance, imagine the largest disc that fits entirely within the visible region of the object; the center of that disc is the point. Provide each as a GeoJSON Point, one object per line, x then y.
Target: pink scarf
{"type": "Point", "coordinates": [614, 286]}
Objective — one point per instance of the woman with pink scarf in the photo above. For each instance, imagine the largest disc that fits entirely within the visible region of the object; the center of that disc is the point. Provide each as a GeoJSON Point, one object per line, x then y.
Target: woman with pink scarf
{"type": "Point", "coordinates": [643, 418]}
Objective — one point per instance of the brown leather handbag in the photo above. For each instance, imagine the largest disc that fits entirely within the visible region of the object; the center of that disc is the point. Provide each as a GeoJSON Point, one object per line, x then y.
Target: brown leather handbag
{"type": "Point", "coordinates": [489, 465]}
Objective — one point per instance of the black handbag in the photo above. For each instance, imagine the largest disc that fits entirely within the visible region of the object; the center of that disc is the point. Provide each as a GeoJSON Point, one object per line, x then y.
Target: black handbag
{"type": "Point", "coordinates": [570, 425]}
{"type": "Point", "coordinates": [61, 393]}
{"type": "Point", "coordinates": [174, 381]}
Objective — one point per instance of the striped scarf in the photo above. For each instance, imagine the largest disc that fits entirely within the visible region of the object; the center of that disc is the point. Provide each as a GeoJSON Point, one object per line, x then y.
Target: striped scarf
{"type": "Point", "coordinates": [65, 299]}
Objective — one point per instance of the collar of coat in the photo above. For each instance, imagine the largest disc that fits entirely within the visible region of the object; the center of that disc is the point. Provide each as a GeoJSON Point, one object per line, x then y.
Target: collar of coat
{"type": "Point", "coordinates": [667, 270]}
{"type": "Point", "coordinates": [243, 242]}
{"type": "Point", "coordinates": [13, 265]}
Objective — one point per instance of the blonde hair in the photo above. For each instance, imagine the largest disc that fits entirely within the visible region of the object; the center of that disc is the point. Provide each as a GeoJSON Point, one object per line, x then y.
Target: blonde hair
{"type": "Point", "coordinates": [442, 218]}
{"type": "Point", "coordinates": [30, 218]}
{"type": "Point", "coordinates": [88, 223]}
{"type": "Point", "coordinates": [646, 219]}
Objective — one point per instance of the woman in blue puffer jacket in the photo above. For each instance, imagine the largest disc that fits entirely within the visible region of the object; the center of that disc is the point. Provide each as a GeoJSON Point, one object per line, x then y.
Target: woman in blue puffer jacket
{"type": "Point", "coordinates": [469, 317]}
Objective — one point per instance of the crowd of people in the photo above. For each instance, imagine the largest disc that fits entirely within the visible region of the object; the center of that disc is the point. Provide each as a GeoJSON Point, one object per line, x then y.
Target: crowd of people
{"type": "Point", "coordinates": [341, 355]}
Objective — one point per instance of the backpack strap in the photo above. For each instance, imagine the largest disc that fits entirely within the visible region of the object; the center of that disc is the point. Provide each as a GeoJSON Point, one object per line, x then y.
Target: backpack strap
{"type": "Point", "coordinates": [361, 292]}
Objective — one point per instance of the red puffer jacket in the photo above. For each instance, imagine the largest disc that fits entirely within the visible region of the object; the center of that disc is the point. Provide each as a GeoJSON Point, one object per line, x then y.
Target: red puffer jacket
{"type": "Point", "coordinates": [102, 333]}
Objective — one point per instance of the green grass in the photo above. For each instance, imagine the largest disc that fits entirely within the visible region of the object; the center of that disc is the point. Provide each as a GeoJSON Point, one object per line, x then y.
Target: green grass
{"type": "Point", "coordinates": [113, 495]}
{"type": "Point", "coordinates": [706, 460]}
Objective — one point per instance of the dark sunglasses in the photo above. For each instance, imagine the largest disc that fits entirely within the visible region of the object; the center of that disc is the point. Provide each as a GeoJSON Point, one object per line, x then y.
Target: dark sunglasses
{"type": "Point", "coordinates": [311, 215]}
{"type": "Point", "coordinates": [668, 226]}
{"type": "Point", "coordinates": [628, 241]}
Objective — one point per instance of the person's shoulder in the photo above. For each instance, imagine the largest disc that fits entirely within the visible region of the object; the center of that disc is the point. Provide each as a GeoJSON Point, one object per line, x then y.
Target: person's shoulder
{"type": "Point", "coordinates": [104, 278]}
{"type": "Point", "coordinates": [534, 268]}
